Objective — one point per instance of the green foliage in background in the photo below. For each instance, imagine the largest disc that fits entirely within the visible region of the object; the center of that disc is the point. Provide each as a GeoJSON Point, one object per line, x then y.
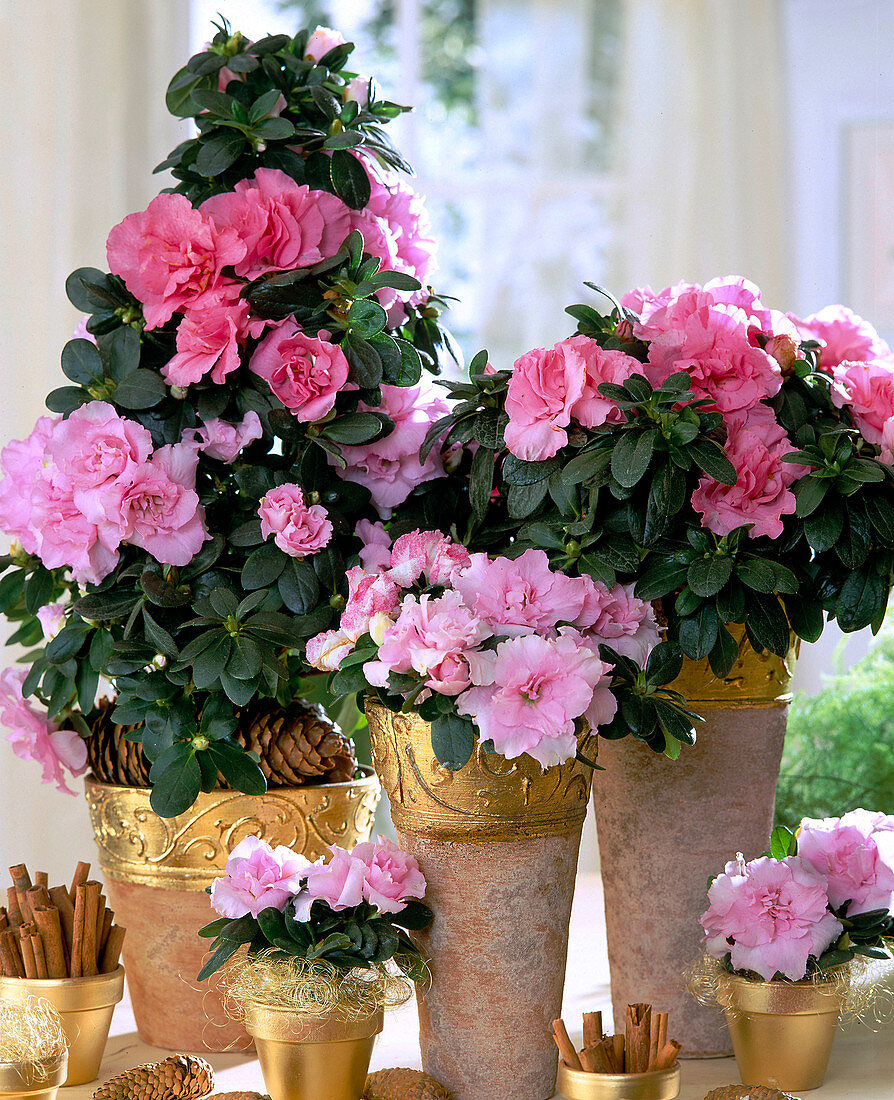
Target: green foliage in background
{"type": "Point", "coordinates": [839, 749]}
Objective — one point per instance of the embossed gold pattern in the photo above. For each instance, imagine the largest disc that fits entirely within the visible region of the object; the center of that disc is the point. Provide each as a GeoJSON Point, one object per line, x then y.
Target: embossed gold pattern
{"type": "Point", "coordinates": [189, 852]}
{"type": "Point", "coordinates": [755, 680]}
{"type": "Point", "coordinates": [491, 798]}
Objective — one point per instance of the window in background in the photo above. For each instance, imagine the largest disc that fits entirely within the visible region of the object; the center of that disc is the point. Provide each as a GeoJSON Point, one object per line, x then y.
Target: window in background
{"type": "Point", "coordinates": [510, 139]}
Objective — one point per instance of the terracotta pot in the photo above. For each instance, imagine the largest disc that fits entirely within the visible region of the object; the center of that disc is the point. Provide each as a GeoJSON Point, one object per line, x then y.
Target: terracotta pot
{"type": "Point", "coordinates": [666, 826]}
{"type": "Point", "coordinates": [157, 870]}
{"type": "Point", "coordinates": [782, 1032]}
{"type": "Point", "coordinates": [497, 842]}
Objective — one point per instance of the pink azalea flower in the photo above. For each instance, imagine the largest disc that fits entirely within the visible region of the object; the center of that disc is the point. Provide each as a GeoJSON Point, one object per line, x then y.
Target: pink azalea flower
{"type": "Point", "coordinates": [339, 883]}
{"type": "Point", "coordinates": [529, 692]}
{"type": "Point", "coordinates": [34, 737]}
{"type": "Point", "coordinates": [375, 557]}
{"type": "Point", "coordinates": [762, 495]}
{"type": "Point", "coordinates": [66, 537]}
{"type": "Point", "coordinates": [619, 619]}
{"type": "Point", "coordinates": [592, 409]}
{"type": "Point", "coordinates": [305, 373]}
{"type": "Point", "coordinates": [281, 225]}
{"type": "Point", "coordinates": [95, 447]}
{"type": "Point", "coordinates": [326, 651]}
{"type": "Point", "coordinates": [51, 618]}
{"type": "Point", "coordinates": [886, 443]}
{"type": "Point", "coordinates": [855, 855]}
{"type": "Point", "coordinates": [391, 877]}
{"type": "Point", "coordinates": [775, 912]}
{"type": "Point", "coordinates": [544, 388]}
{"type": "Point", "coordinates": [208, 342]}
{"type": "Point", "coordinates": [369, 594]}
{"type": "Point", "coordinates": [258, 877]}
{"type": "Point", "coordinates": [172, 257]}
{"type": "Point", "coordinates": [390, 467]}
{"type": "Point", "coordinates": [298, 530]}
{"type": "Point", "coordinates": [868, 390]}
{"type": "Point", "coordinates": [427, 553]}
{"type": "Point", "coordinates": [322, 41]}
{"type": "Point", "coordinates": [521, 595]}
{"type": "Point", "coordinates": [845, 337]}
{"type": "Point", "coordinates": [223, 440]}
{"type": "Point", "coordinates": [22, 463]}
{"type": "Point", "coordinates": [357, 91]}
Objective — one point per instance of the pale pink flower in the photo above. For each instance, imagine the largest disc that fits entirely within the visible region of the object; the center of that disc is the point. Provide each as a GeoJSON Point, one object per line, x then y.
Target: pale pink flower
{"type": "Point", "coordinates": [375, 557]}
{"type": "Point", "coordinates": [519, 595]}
{"type": "Point", "coordinates": [81, 333]}
{"type": "Point", "coordinates": [357, 91]}
{"type": "Point", "coordinates": [92, 448]}
{"type": "Point", "coordinates": [171, 257]}
{"type": "Point", "coordinates": [544, 388]}
{"type": "Point", "coordinates": [338, 883]}
{"type": "Point", "coordinates": [159, 507]}
{"type": "Point", "coordinates": [223, 440]}
{"type": "Point", "coordinates": [592, 409]}
{"type": "Point", "coordinates": [867, 389]}
{"type": "Point", "coordinates": [326, 651]}
{"type": "Point", "coordinates": [762, 495]}
{"type": "Point", "coordinates": [281, 225]}
{"type": "Point", "coordinates": [322, 41]}
{"type": "Point", "coordinates": [776, 913]}
{"type": "Point", "coordinates": [66, 537]}
{"type": "Point", "coordinates": [258, 877]}
{"type": "Point", "coordinates": [845, 337]}
{"type": "Point", "coordinates": [51, 618]}
{"type": "Point", "coordinates": [297, 529]}
{"type": "Point", "coordinates": [390, 467]}
{"type": "Point", "coordinates": [528, 694]}
{"type": "Point", "coordinates": [619, 619]}
{"type": "Point", "coordinates": [855, 855]}
{"type": "Point", "coordinates": [369, 594]}
{"type": "Point", "coordinates": [886, 444]}
{"type": "Point", "coordinates": [644, 301]}
{"type": "Point", "coordinates": [304, 372]}
{"type": "Point", "coordinates": [34, 737]}
{"type": "Point", "coordinates": [427, 553]}
{"type": "Point", "coordinates": [603, 706]}
{"type": "Point", "coordinates": [22, 462]}
{"type": "Point", "coordinates": [392, 875]}
{"type": "Point", "coordinates": [208, 341]}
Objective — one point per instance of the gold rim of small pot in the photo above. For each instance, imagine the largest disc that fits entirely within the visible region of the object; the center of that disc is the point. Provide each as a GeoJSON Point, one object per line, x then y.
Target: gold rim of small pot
{"type": "Point", "coordinates": [660, 1084]}
{"type": "Point", "coordinates": [779, 998]}
{"type": "Point", "coordinates": [35, 1079]}
{"type": "Point", "coordinates": [190, 851]}
{"type": "Point", "coordinates": [287, 1025]}
{"type": "Point", "coordinates": [489, 799]}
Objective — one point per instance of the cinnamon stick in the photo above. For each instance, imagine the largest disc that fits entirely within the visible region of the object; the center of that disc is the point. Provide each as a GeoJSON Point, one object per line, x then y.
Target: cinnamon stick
{"type": "Point", "coordinates": [27, 951]}
{"type": "Point", "coordinates": [89, 944]}
{"type": "Point", "coordinates": [667, 1055]}
{"type": "Point", "coordinates": [10, 956]}
{"type": "Point", "coordinates": [60, 898]}
{"type": "Point", "coordinates": [108, 919]}
{"type": "Point", "coordinates": [21, 880]}
{"type": "Point", "coordinates": [4, 919]}
{"type": "Point", "coordinates": [560, 1034]}
{"type": "Point", "coordinates": [39, 897]}
{"type": "Point", "coordinates": [12, 908]}
{"type": "Point", "coordinates": [602, 1056]}
{"type": "Point", "coordinates": [77, 939]}
{"type": "Point", "coordinates": [620, 1053]}
{"type": "Point", "coordinates": [112, 953]}
{"type": "Point", "coordinates": [637, 1037]}
{"type": "Point", "coordinates": [659, 1036]}
{"type": "Point", "coordinates": [82, 873]}
{"type": "Point", "coordinates": [40, 959]}
{"type": "Point", "coordinates": [41, 878]}
{"type": "Point", "coordinates": [50, 928]}
{"type": "Point", "coordinates": [592, 1028]}
{"type": "Point", "coordinates": [100, 920]}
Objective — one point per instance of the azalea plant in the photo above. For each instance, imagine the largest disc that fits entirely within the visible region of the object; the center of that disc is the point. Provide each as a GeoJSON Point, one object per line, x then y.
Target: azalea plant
{"type": "Point", "coordinates": [504, 652]}
{"type": "Point", "coordinates": [823, 896]}
{"type": "Point", "coordinates": [733, 463]}
{"type": "Point", "coordinates": [245, 395]}
{"type": "Point", "coordinates": [353, 911]}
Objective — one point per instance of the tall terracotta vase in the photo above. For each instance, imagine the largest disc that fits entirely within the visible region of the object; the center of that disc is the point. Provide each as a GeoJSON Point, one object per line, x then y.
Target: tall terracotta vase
{"type": "Point", "coordinates": [497, 842]}
{"type": "Point", "coordinates": [666, 826]}
{"type": "Point", "coordinates": [157, 869]}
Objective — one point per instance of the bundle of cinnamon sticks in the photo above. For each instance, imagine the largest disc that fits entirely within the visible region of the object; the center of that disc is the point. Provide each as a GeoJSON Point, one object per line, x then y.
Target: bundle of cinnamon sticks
{"type": "Point", "coordinates": [643, 1048]}
{"type": "Point", "coordinates": [63, 932]}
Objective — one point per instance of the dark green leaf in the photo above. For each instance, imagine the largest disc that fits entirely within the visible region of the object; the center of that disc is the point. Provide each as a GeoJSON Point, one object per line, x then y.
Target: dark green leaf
{"type": "Point", "coordinates": [481, 478]}
{"type": "Point", "coordinates": [766, 624]}
{"type": "Point", "coordinates": [176, 787]}
{"type": "Point", "coordinates": [453, 741]}
{"type": "Point", "coordinates": [263, 566]}
{"type": "Point", "coordinates": [349, 179]}
{"type": "Point", "coordinates": [863, 596]}
{"type": "Point", "coordinates": [706, 576]}
{"type": "Point", "coordinates": [710, 457]}
{"type": "Point", "coordinates": [240, 768]}
{"type": "Point", "coordinates": [141, 389]}
{"type": "Point", "coordinates": [358, 427]}
{"type": "Point", "coordinates": [631, 457]}
{"type": "Point", "coordinates": [698, 633]}
{"type": "Point", "coordinates": [219, 151]}
{"type": "Point", "coordinates": [299, 586]}
{"type": "Point", "coordinates": [102, 606]}
{"type": "Point", "coordinates": [77, 288]}
{"type": "Point", "coordinates": [723, 656]}
{"type": "Point", "coordinates": [81, 362]}
{"type": "Point", "coordinates": [809, 493]}
{"type": "Point", "coordinates": [66, 399]}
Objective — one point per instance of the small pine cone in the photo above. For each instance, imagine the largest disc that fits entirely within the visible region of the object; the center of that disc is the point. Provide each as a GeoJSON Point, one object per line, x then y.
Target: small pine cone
{"type": "Point", "coordinates": [110, 756]}
{"type": "Point", "coordinates": [748, 1092]}
{"type": "Point", "coordinates": [297, 744]}
{"type": "Point", "coordinates": [180, 1077]}
{"type": "Point", "coordinates": [403, 1084]}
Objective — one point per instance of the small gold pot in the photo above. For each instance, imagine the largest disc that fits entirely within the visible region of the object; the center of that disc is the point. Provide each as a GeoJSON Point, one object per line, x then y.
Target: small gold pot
{"type": "Point", "coordinates": [85, 1006]}
{"type": "Point", "coordinates": [660, 1084]}
{"type": "Point", "coordinates": [782, 1032]}
{"type": "Point", "coordinates": [40, 1081]}
{"type": "Point", "coordinates": [308, 1058]}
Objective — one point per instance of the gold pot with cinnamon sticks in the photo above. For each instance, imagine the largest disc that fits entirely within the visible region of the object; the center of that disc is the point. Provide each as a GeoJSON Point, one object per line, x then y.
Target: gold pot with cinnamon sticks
{"type": "Point", "coordinates": [638, 1064]}
{"type": "Point", "coordinates": [62, 945]}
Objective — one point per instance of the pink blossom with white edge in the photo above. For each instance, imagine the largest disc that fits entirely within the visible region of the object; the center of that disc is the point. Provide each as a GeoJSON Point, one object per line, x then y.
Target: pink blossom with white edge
{"type": "Point", "coordinates": [429, 554]}
{"type": "Point", "coordinates": [338, 883]}
{"type": "Point", "coordinates": [867, 389]}
{"type": "Point", "coordinates": [258, 877]}
{"type": "Point", "coordinates": [392, 875]}
{"type": "Point", "coordinates": [326, 651]}
{"type": "Point", "coordinates": [619, 619]}
{"type": "Point", "coordinates": [369, 594]}
{"type": "Point", "coordinates": [322, 41]}
{"type": "Point", "coordinates": [23, 462]}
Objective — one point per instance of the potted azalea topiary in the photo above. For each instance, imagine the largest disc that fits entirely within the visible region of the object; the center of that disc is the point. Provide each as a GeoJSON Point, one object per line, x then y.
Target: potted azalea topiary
{"type": "Point", "coordinates": [313, 953]}
{"type": "Point", "coordinates": [486, 681]}
{"type": "Point", "coordinates": [784, 936]}
{"type": "Point", "coordinates": [245, 395]}
{"type": "Point", "coordinates": [733, 465]}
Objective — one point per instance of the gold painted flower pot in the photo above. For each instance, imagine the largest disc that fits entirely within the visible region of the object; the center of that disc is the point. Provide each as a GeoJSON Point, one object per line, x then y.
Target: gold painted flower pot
{"type": "Point", "coordinates": [39, 1081]}
{"type": "Point", "coordinates": [660, 1084]}
{"type": "Point", "coordinates": [497, 841]}
{"type": "Point", "coordinates": [782, 1032]}
{"type": "Point", "coordinates": [85, 1006]}
{"type": "Point", "coordinates": [157, 869]}
{"type": "Point", "coordinates": [308, 1058]}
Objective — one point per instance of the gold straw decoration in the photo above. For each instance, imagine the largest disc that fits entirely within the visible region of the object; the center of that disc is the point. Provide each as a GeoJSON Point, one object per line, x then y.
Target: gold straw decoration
{"type": "Point", "coordinates": [30, 1033]}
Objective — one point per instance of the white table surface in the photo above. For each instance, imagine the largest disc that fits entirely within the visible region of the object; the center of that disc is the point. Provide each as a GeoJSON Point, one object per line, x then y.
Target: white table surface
{"type": "Point", "coordinates": [861, 1066]}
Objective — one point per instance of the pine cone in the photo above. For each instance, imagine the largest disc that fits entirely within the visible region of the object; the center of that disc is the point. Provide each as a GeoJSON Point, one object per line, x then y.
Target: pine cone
{"type": "Point", "coordinates": [110, 756]}
{"type": "Point", "coordinates": [297, 744]}
{"type": "Point", "coordinates": [403, 1084]}
{"type": "Point", "coordinates": [748, 1092]}
{"type": "Point", "coordinates": [180, 1077]}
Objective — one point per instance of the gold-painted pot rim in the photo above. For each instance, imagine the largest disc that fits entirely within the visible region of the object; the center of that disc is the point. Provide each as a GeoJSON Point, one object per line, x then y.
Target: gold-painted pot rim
{"type": "Point", "coordinates": [38, 1077]}
{"type": "Point", "coordinates": [287, 1025]}
{"type": "Point", "coordinates": [660, 1084]}
{"type": "Point", "coordinates": [805, 998]}
{"type": "Point", "coordinates": [70, 994]}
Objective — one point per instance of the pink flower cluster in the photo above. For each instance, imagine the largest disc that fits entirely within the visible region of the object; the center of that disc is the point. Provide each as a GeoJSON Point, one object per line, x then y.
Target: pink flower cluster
{"type": "Point", "coordinates": [298, 529]}
{"type": "Point", "coordinates": [77, 489]}
{"type": "Point", "coordinates": [514, 643]}
{"type": "Point", "coordinates": [34, 737]}
{"type": "Point", "coordinates": [260, 877]}
{"type": "Point", "coordinates": [771, 916]}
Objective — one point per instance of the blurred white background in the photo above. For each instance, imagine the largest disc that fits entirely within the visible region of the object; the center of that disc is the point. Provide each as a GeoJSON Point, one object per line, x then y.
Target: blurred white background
{"type": "Point", "coordinates": [620, 141]}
